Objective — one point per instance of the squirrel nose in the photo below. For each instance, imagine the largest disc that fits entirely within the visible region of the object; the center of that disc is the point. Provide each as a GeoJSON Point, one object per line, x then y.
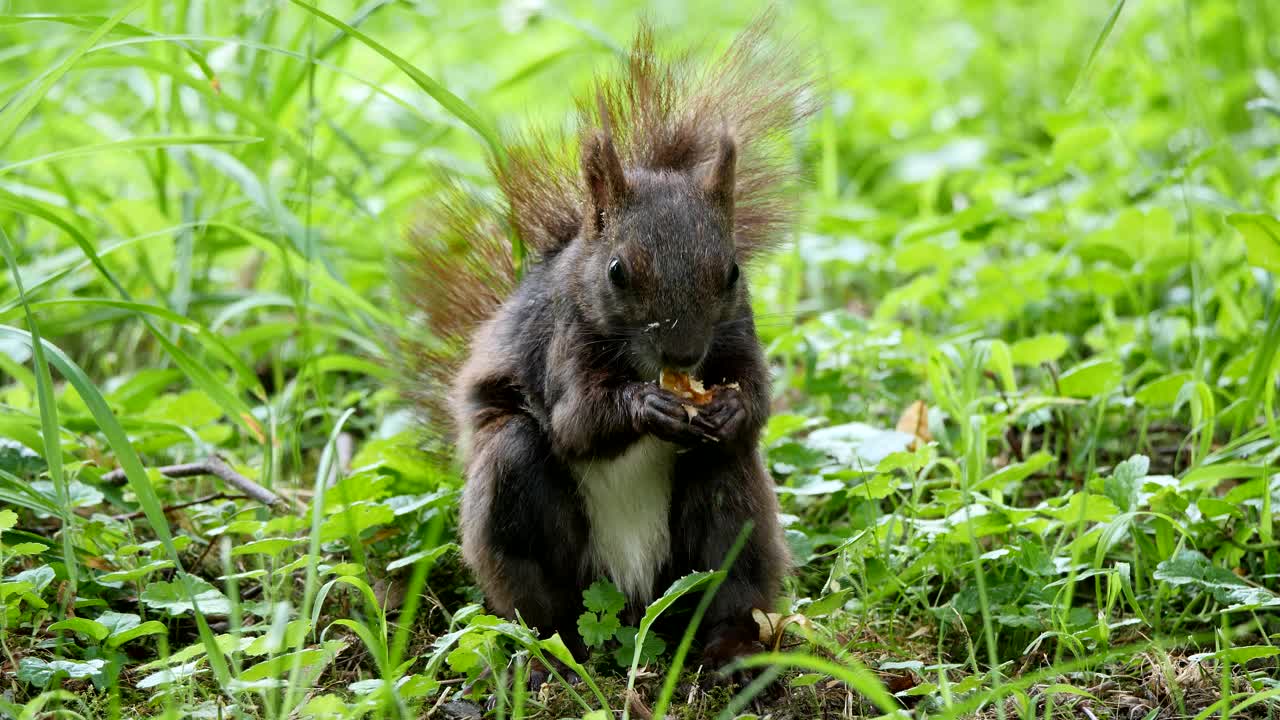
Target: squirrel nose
{"type": "Point", "coordinates": [681, 358]}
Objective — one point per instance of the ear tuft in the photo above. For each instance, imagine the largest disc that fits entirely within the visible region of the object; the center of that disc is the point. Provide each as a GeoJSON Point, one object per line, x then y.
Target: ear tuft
{"type": "Point", "coordinates": [719, 181]}
{"type": "Point", "coordinates": [604, 177]}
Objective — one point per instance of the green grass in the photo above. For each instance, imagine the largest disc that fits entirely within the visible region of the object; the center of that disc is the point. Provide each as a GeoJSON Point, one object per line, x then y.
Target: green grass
{"type": "Point", "coordinates": [1052, 223]}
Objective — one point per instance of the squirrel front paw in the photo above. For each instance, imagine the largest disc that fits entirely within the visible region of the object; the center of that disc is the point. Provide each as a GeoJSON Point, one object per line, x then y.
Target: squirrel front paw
{"type": "Point", "coordinates": [661, 413]}
{"type": "Point", "coordinates": [725, 417]}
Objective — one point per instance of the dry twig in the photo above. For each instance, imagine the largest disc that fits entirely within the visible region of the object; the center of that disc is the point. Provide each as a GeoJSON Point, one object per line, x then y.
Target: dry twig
{"type": "Point", "coordinates": [218, 468]}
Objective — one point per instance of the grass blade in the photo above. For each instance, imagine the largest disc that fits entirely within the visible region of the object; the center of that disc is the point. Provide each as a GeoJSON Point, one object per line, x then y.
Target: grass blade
{"type": "Point", "coordinates": [136, 143]}
{"type": "Point", "coordinates": [50, 432]}
{"type": "Point", "coordinates": [454, 104]}
{"type": "Point", "coordinates": [853, 674]}
{"type": "Point", "coordinates": [122, 28]}
{"type": "Point", "coordinates": [12, 116]}
{"type": "Point", "coordinates": [1098, 42]}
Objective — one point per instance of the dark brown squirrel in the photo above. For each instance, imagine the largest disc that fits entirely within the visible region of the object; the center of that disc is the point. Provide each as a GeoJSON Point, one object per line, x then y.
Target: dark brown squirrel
{"type": "Point", "coordinates": [578, 464]}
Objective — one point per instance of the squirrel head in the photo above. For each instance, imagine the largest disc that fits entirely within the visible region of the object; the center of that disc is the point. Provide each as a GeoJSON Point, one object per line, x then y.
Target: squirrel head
{"type": "Point", "coordinates": [658, 263]}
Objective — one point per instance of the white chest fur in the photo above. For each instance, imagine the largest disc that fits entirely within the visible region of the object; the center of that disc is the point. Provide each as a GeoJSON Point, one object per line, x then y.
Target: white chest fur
{"type": "Point", "coordinates": [627, 501]}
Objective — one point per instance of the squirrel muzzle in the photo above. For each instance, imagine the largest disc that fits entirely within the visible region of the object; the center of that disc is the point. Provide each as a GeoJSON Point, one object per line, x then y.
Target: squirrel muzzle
{"type": "Point", "coordinates": [683, 343]}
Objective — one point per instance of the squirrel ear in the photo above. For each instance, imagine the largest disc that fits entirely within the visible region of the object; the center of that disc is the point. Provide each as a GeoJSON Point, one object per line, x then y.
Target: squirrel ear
{"type": "Point", "coordinates": [606, 183]}
{"type": "Point", "coordinates": [719, 182]}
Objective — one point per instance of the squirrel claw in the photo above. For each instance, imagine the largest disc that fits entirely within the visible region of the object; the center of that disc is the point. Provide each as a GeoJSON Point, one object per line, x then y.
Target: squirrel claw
{"type": "Point", "coordinates": [723, 418]}
{"type": "Point", "coordinates": [661, 414]}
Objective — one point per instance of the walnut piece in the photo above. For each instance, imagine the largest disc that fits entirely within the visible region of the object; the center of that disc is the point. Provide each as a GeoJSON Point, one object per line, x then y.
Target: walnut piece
{"type": "Point", "coordinates": [686, 387]}
{"type": "Point", "coordinates": [690, 389]}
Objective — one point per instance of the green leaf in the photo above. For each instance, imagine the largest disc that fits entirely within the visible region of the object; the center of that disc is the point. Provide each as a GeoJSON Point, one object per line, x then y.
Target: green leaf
{"type": "Point", "coordinates": [8, 520]}
{"type": "Point", "coordinates": [79, 495]}
{"type": "Point", "coordinates": [678, 589]}
{"type": "Point", "coordinates": [1091, 378]}
{"type": "Point", "coordinates": [857, 445]}
{"type": "Point", "coordinates": [39, 577]}
{"type": "Point", "coordinates": [1039, 349]}
{"type": "Point", "coordinates": [596, 630]}
{"type": "Point", "coordinates": [555, 647]}
{"type": "Point", "coordinates": [603, 597]}
{"type": "Point", "coordinates": [26, 548]}
{"type": "Point", "coordinates": [170, 597]}
{"type": "Point", "coordinates": [795, 456]}
{"type": "Point", "coordinates": [1000, 362]}
{"type": "Point", "coordinates": [469, 656]}
{"type": "Point", "coordinates": [280, 665]}
{"type": "Point", "coordinates": [1125, 481]}
{"type": "Point", "coordinates": [653, 648]}
{"type": "Point", "coordinates": [876, 487]}
{"type": "Point", "coordinates": [124, 627]}
{"type": "Point", "coordinates": [781, 425]}
{"type": "Point", "coordinates": [116, 623]}
{"type": "Point", "coordinates": [361, 485]}
{"type": "Point", "coordinates": [224, 643]}
{"type": "Point", "coordinates": [1163, 391]}
{"type": "Point", "coordinates": [279, 638]}
{"type": "Point", "coordinates": [1261, 234]}
{"type": "Point", "coordinates": [1215, 508]}
{"type": "Point", "coordinates": [1190, 568]}
{"type": "Point", "coordinates": [1076, 143]}
{"type": "Point", "coordinates": [83, 626]}
{"type": "Point", "coordinates": [1097, 508]}
{"type": "Point", "coordinates": [266, 546]}
{"type": "Point", "coordinates": [325, 707]}
{"type": "Point", "coordinates": [1016, 472]}
{"type": "Point", "coordinates": [1034, 559]}
{"type": "Point", "coordinates": [827, 604]}
{"type": "Point", "coordinates": [426, 556]}
{"type": "Point", "coordinates": [1242, 655]}
{"type": "Point", "coordinates": [192, 408]}
{"type": "Point", "coordinates": [355, 519]}
{"type": "Point", "coordinates": [39, 672]}
{"type": "Point", "coordinates": [122, 576]}
{"type": "Point", "coordinates": [20, 460]}
{"type": "Point", "coordinates": [169, 676]}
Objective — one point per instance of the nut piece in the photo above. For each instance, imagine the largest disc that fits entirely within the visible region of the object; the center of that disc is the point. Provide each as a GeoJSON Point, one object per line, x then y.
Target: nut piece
{"type": "Point", "coordinates": [690, 389]}
{"type": "Point", "coordinates": [687, 388]}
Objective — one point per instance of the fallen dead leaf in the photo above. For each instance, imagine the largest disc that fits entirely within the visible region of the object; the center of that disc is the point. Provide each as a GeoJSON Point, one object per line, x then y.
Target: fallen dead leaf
{"type": "Point", "coordinates": [915, 422]}
{"type": "Point", "coordinates": [773, 625]}
{"type": "Point", "coordinates": [899, 682]}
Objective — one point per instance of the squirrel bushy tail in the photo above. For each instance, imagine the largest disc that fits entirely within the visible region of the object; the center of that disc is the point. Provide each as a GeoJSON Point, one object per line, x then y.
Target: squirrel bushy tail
{"type": "Point", "coordinates": [663, 114]}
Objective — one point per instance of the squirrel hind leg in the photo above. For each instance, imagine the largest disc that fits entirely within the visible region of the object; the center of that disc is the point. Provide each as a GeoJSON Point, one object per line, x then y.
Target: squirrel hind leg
{"type": "Point", "coordinates": [523, 531]}
{"type": "Point", "coordinates": [708, 515]}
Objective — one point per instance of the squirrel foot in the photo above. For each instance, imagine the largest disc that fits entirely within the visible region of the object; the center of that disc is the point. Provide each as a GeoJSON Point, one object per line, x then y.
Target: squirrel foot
{"type": "Point", "coordinates": [540, 674]}
{"type": "Point", "coordinates": [722, 650]}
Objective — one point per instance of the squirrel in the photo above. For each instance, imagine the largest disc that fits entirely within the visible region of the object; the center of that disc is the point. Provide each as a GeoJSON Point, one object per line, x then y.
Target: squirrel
{"type": "Point", "coordinates": [577, 464]}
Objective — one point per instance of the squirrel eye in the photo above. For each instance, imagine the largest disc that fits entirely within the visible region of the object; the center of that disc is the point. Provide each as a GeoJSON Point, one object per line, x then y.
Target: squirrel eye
{"type": "Point", "coordinates": [617, 274]}
{"type": "Point", "coordinates": [733, 275]}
